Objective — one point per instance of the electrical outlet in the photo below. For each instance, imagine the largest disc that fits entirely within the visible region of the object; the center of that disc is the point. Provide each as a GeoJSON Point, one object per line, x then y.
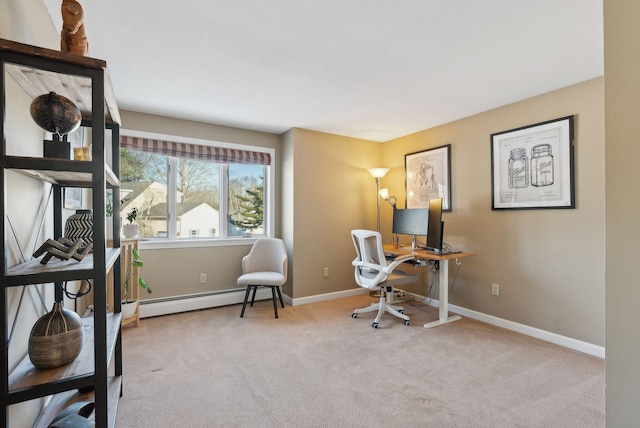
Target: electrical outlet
{"type": "Point", "coordinates": [203, 278]}
{"type": "Point", "coordinates": [495, 289]}
{"type": "Point", "coordinates": [326, 272]}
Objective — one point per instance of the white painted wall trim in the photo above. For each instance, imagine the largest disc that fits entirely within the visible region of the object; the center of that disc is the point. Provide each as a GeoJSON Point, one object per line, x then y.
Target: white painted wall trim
{"type": "Point", "coordinates": [329, 296]}
{"type": "Point", "coordinates": [174, 305]}
{"type": "Point", "coordinates": [567, 342]}
{"type": "Point", "coordinates": [150, 308]}
{"type": "Point", "coordinates": [193, 302]}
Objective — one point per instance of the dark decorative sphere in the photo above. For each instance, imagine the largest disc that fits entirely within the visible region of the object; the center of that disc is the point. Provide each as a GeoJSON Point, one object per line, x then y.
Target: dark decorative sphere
{"type": "Point", "coordinates": [55, 113]}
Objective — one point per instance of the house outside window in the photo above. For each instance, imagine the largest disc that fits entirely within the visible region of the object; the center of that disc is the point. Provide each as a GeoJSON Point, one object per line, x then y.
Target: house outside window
{"type": "Point", "coordinates": [177, 197]}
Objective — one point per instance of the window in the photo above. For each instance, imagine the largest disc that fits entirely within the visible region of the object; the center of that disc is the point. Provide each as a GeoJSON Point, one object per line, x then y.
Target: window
{"type": "Point", "coordinates": [192, 189]}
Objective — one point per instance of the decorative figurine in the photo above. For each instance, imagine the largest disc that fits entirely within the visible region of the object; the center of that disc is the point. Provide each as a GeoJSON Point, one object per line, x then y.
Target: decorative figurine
{"type": "Point", "coordinates": [73, 38]}
{"type": "Point", "coordinates": [64, 249]}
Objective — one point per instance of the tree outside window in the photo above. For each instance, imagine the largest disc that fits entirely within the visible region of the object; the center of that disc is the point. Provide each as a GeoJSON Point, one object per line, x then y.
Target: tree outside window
{"type": "Point", "coordinates": [191, 196]}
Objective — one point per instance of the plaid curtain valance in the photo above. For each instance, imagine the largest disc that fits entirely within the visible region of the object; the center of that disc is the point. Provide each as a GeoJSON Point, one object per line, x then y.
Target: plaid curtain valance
{"type": "Point", "coordinates": [195, 151]}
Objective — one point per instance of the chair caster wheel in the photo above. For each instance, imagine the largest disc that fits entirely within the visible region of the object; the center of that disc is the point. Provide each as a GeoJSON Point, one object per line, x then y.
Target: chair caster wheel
{"type": "Point", "coordinates": [354, 315]}
{"type": "Point", "coordinates": [406, 322]}
{"type": "Point", "coordinates": [374, 325]}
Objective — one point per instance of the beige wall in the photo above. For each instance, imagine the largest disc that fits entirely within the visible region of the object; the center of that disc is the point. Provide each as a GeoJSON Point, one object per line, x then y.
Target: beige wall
{"type": "Point", "coordinates": [176, 271]}
{"type": "Point", "coordinates": [332, 193]}
{"type": "Point", "coordinates": [536, 256]}
{"type": "Point", "coordinates": [622, 103]}
{"type": "Point", "coordinates": [173, 272]}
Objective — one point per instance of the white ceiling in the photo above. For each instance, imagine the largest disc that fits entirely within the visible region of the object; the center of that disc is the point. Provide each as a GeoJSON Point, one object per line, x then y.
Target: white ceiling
{"type": "Point", "coordinates": [372, 69]}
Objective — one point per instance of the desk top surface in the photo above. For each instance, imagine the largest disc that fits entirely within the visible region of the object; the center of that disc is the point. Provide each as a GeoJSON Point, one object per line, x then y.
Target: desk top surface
{"type": "Point", "coordinates": [424, 254]}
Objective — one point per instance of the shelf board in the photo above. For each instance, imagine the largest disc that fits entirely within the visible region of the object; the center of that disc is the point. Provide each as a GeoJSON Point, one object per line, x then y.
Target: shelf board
{"type": "Point", "coordinates": [63, 172]}
{"type": "Point", "coordinates": [27, 376]}
{"type": "Point", "coordinates": [78, 89]}
{"type": "Point", "coordinates": [33, 272]}
{"type": "Point", "coordinates": [61, 401]}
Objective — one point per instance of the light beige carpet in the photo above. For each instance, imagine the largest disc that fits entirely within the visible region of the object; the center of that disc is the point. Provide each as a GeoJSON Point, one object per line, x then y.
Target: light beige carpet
{"type": "Point", "coordinates": [315, 366]}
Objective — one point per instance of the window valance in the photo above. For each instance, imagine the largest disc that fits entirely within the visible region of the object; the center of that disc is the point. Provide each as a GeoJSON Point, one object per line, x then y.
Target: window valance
{"type": "Point", "coordinates": [195, 151]}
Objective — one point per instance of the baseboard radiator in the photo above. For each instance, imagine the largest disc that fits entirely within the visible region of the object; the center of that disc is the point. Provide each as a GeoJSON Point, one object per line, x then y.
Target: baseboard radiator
{"type": "Point", "coordinates": [192, 302]}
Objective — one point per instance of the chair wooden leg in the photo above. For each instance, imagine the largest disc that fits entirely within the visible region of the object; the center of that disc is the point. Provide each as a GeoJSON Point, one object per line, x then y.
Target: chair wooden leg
{"type": "Point", "coordinates": [280, 294]}
{"type": "Point", "coordinates": [275, 303]}
{"type": "Point", "coordinates": [244, 304]}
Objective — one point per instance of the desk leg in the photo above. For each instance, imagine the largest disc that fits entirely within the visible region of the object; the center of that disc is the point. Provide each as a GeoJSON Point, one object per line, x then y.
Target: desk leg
{"type": "Point", "coordinates": [443, 281]}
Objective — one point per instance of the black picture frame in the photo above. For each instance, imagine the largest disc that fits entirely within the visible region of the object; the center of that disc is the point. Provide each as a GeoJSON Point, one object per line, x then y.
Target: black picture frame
{"type": "Point", "coordinates": [428, 176]}
{"type": "Point", "coordinates": [532, 167]}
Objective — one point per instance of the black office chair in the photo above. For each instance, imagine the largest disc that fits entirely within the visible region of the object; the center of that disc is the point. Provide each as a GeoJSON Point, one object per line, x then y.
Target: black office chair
{"type": "Point", "coordinates": [372, 271]}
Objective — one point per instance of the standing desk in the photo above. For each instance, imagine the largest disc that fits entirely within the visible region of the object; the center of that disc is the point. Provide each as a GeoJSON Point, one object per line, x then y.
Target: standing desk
{"type": "Point", "coordinates": [443, 277]}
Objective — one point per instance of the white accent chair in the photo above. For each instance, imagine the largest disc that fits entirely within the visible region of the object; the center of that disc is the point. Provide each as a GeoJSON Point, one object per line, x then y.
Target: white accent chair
{"type": "Point", "coordinates": [264, 266]}
{"type": "Point", "coordinates": [372, 272]}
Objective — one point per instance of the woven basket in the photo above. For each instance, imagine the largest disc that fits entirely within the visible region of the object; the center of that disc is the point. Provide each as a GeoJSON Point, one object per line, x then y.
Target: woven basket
{"type": "Point", "coordinates": [56, 338]}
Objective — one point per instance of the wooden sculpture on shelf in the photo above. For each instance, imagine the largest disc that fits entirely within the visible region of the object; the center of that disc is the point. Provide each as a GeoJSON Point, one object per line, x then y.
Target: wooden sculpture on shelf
{"type": "Point", "coordinates": [64, 249]}
{"type": "Point", "coordinates": [73, 38]}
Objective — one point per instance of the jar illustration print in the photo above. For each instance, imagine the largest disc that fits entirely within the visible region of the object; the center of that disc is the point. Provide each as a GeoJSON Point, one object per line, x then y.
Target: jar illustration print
{"type": "Point", "coordinates": [518, 169]}
{"type": "Point", "coordinates": [541, 165]}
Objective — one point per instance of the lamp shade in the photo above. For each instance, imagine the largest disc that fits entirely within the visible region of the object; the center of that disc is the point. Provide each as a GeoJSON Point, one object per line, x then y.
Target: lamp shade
{"type": "Point", "coordinates": [384, 193]}
{"type": "Point", "coordinates": [378, 172]}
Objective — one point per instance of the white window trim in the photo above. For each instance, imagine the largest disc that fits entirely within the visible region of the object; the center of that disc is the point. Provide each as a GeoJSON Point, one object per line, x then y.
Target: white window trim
{"type": "Point", "coordinates": [269, 196]}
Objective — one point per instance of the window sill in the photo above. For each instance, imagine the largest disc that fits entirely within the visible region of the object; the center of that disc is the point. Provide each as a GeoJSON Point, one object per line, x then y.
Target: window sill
{"type": "Point", "coordinates": [163, 243]}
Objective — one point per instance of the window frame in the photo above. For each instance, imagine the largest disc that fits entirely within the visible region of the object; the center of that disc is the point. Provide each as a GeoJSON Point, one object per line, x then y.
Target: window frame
{"type": "Point", "coordinates": [223, 240]}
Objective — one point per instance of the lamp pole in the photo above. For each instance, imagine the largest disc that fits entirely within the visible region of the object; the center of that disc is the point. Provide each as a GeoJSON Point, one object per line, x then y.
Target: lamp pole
{"type": "Point", "coordinates": [378, 173]}
{"type": "Point", "coordinates": [378, 207]}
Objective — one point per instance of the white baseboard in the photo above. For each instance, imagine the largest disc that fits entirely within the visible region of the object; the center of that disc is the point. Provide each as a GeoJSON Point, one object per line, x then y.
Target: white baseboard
{"type": "Point", "coordinates": [328, 296]}
{"type": "Point", "coordinates": [567, 342]}
{"type": "Point", "coordinates": [150, 308]}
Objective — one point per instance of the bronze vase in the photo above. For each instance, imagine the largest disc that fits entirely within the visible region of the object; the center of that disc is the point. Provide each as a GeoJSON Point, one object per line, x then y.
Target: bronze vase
{"type": "Point", "coordinates": [56, 338]}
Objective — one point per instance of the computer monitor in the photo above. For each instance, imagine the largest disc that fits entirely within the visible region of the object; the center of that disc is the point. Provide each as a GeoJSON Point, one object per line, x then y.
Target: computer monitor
{"type": "Point", "coordinates": [412, 222]}
{"type": "Point", "coordinates": [436, 225]}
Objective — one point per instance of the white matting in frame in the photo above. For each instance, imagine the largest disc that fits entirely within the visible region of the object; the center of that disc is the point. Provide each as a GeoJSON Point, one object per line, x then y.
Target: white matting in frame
{"type": "Point", "coordinates": [428, 176]}
{"type": "Point", "coordinates": [72, 198]}
{"type": "Point", "coordinates": [532, 166]}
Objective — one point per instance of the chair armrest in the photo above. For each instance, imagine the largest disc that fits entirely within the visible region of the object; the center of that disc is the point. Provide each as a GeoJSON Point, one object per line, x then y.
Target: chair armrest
{"type": "Point", "coordinates": [401, 259]}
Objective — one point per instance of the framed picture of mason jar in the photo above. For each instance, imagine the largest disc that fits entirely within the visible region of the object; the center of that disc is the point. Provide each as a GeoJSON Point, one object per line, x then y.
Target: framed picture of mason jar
{"type": "Point", "coordinates": [428, 176]}
{"type": "Point", "coordinates": [532, 167]}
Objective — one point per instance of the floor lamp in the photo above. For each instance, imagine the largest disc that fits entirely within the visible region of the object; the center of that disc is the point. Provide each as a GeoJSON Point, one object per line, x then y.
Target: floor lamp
{"type": "Point", "coordinates": [378, 173]}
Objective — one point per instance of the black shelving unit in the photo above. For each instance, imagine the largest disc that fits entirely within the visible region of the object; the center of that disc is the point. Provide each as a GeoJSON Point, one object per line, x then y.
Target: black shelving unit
{"type": "Point", "coordinates": [86, 82]}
